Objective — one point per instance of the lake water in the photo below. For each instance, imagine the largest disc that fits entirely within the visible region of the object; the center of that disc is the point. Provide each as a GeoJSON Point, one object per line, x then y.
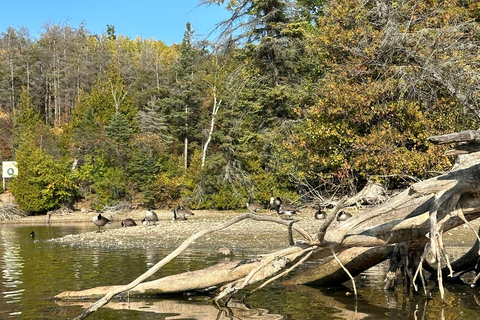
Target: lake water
{"type": "Point", "coordinates": [34, 270]}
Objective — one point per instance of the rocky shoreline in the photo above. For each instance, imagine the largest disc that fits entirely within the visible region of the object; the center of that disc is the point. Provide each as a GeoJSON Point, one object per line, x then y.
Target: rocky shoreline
{"type": "Point", "coordinates": [169, 234]}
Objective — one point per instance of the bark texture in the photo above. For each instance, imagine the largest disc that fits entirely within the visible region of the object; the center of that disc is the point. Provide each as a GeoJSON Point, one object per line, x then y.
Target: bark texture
{"type": "Point", "coordinates": [403, 229]}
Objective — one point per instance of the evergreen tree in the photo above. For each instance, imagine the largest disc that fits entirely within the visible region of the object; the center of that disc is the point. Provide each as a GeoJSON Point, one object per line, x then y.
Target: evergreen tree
{"type": "Point", "coordinates": [27, 120]}
{"type": "Point", "coordinates": [118, 129]}
{"type": "Point", "coordinates": [42, 183]}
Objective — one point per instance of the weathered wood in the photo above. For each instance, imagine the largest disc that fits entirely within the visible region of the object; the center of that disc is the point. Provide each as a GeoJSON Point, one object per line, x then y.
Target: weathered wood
{"type": "Point", "coordinates": [456, 152]}
{"type": "Point", "coordinates": [418, 215]}
{"type": "Point", "coordinates": [372, 194]}
{"type": "Point", "coordinates": [356, 260]}
{"type": "Point", "coordinates": [328, 221]}
{"type": "Point", "coordinates": [468, 262]}
{"type": "Point", "coordinates": [183, 282]}
{"type": "Point", "coordinates": [463, 136]}
{"type": "Point", "coordinates": [265, 270]}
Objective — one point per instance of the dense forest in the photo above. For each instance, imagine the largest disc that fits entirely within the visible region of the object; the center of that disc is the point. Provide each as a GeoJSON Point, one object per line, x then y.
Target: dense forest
{"type": "Point", "coordinates": [306, 96]}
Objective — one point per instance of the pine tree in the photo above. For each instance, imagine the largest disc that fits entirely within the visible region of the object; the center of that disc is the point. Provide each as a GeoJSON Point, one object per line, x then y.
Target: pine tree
{"type": "Point", "coordinates": [42, 183]}
{"type": "Point", "coordinates": [118, 129]}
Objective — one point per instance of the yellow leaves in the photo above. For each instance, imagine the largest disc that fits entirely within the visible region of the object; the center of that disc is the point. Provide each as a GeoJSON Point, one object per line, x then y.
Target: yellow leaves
{"type": "Point", "coordinates": [298, 111]}
{"type": "Point", "coordinates": [4, 115]}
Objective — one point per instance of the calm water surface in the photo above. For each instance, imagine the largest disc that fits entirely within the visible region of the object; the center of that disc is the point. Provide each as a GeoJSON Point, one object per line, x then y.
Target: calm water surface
{"type": "Point", "coordinates": [34, 270]}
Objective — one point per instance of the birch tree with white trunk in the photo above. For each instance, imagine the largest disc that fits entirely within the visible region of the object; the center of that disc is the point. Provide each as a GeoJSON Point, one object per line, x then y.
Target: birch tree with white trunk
{"type": "Point", "coordinates": [216, 106]}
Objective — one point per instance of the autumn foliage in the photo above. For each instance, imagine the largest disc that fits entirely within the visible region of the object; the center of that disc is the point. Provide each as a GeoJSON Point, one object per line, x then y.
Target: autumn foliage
{"type": "Point", "coordinates": [324, 94]}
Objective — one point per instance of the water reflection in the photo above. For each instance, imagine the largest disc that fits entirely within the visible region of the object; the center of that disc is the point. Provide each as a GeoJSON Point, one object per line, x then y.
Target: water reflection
{"type": "Point", "coordinates": [12, 268]}
{"type": "Point", "coordinates": [33, 271]}
{"type": "Point", "coordinates": [184, 309]}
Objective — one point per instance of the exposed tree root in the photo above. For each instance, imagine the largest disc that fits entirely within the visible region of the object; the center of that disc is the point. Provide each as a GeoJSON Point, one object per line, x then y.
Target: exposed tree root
{"type": "Point", "coordinates": [414, 221]}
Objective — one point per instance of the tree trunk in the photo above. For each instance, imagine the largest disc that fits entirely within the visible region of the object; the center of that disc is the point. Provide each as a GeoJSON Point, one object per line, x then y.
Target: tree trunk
{"type": "Point", "coordinates": [188, 281]}
{"type": "Point", "coordinates": [185, 153]}
{"type": "Point", "coordinates": [415, 219]}
{"type": "Point", "coordinates": [216, 106]}
{"type": "Point", "coordinates": [356, 260]}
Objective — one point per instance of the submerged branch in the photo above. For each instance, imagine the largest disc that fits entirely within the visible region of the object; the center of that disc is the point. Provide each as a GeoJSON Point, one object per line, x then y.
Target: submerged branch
{"type": "Point", "coordinates": [119, 289]}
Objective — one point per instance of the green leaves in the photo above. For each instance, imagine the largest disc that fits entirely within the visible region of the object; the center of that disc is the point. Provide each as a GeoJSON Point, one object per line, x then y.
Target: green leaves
{"type": "Point", "coordinates": [42, 184]}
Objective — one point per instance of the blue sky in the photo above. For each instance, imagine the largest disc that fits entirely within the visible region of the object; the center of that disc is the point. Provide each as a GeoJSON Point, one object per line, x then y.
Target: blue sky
{"type": "Point", "coordinates": [163, 19]}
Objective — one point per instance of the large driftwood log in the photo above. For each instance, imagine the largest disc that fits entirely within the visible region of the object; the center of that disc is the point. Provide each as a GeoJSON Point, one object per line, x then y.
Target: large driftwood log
{"type": "Point", "coordinates": [466, 141]}
{"type": "Point", "coordinates": [268, 266]}
{"type": "Point", "coordinates": [469, 136]}
{"type": "Point", "coordinates": [372, 194]}
{"type": "Point", "coordinates": [188, 281]}
{"type": "Point", "coordinates": [356, 260]}
{"type": "Point", "coordinates": [418, 216]}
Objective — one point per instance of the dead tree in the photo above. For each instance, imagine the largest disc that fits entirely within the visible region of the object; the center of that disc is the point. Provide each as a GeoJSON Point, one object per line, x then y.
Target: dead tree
{"type": "Point", "coordinates": [405, 229]}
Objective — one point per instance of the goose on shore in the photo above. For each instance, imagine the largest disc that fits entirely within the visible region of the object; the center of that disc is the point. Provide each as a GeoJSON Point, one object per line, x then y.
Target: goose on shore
{"type": "Point", "coordinates": [253, 206]}
{"type": "Point", "coordinates": [100, 221]}
{"type": "Point", "coordinates": [128, 222]}
{"type": "Point", "coordinates": [320, 214]}
{"type": "Point", "coordinates": [181, 213]}
{"type": "Point", "coordinates": [274, 202]}
{"type": "Point", "coordinates": [150, 216]}
{"type": "Point", "coordinates": [184, 211]}
{"type": "Point", "coordinates": [343, 215]}
{"type": "Point", "coordinates": [287, 209]}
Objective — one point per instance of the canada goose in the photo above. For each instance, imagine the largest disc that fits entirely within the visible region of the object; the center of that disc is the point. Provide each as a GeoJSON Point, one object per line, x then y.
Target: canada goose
{"type": "Point", "coordinates": [100, 221]}
{"type": "Point", "coordinates": [320, 214]}
{"type": "Point", "coordinates": [274, 202]}
{"type": "Point", "coordinates": [253, 206]}
{"type": "Point", "coordinates": [181, 213]}
{"type": "Point", "coordinates": [343, 215]}
{"type": "Point", "coordinates": [32, 234]}
{"type": "Point", "coordinates": [176, 216]}
{"type": "Point", "coordinates": [129, 222]}
{"type": "Point", "coordinates": [150, 216]}
{"type": "Point", "coordinates": [184, 211]}
{"type": "Point", "coordinates": [287, 209]}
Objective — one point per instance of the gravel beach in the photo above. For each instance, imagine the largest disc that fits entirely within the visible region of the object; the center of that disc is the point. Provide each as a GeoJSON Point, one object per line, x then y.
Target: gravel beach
{"type": "Point", "coordinates": [168, 234]}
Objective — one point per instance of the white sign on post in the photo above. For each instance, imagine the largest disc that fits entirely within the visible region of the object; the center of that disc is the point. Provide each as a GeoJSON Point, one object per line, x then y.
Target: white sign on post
{"type": "Point", "coordinates": [9, 170]}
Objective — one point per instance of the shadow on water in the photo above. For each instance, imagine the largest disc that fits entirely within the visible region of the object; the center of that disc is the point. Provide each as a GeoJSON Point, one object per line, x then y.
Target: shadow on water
{"type": "Point", "coordinates": [34, 270]}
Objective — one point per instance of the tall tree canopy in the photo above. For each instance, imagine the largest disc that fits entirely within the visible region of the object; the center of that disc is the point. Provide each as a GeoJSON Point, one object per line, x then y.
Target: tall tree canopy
{"type": "Point", "coordinates": [294, 94]}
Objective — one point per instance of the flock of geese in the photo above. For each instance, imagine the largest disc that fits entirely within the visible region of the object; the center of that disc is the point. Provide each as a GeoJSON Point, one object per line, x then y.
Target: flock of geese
{"type": "Point", "coordinates": [179, 213]}
{"type": "Point", "coordinates": [182, 213]}
{"type": "Point", "coordinates": [275, 204]}
{"type": "Point", "coordinates": [289, 210]}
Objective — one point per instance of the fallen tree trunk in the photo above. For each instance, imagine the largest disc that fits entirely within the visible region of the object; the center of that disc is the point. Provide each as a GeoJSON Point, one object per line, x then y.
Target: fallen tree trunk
{"type": "Point", "coordinates": [188, 281]}
{"type": "Point", "coordinates": [275, 263]}
{"type": "Point", "coordinates": [470, 261]}
{"type": "Point", "coordinates": [418, 216]}
{"type": "Point", "coordinates": [356, 260]}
